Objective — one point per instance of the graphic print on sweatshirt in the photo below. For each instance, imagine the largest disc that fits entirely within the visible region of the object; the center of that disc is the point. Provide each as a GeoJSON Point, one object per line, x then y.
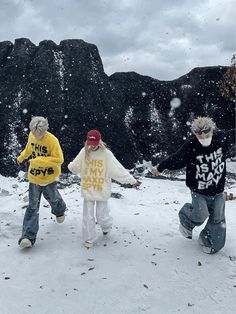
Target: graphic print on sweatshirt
{"type": "Point", "coordinates": [93, 175]}
{"type": "Point", "coordinates": [209, 169]}
{"type": "Point", "coordinates": [40, 150]}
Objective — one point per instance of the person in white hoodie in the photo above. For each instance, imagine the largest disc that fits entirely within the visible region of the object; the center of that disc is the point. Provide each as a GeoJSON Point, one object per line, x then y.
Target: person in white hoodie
{"type": "Point", "coordinates": [97, 166]}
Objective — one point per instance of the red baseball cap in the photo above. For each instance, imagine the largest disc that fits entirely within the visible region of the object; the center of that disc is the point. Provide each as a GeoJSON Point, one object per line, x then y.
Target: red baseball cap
{"type": "Point", "coordinates": [93, 137]}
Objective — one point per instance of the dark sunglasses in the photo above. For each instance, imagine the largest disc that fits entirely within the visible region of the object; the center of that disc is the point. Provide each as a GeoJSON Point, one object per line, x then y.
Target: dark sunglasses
{"type": "Point", "coordinates": [203, 131]}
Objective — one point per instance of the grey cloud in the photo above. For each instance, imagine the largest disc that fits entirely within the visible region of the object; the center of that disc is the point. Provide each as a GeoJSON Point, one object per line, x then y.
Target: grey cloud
{"type": "Point", "coordinates": [163, 39]}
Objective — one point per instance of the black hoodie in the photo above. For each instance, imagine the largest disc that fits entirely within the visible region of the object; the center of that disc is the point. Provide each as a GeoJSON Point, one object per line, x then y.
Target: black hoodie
{"type": "Point", "coordinates": [205, 166]}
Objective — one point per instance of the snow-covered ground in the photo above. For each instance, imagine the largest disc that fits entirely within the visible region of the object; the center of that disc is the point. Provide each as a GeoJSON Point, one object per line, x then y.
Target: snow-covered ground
{"type": "Point", "coordinates": [144, 266]}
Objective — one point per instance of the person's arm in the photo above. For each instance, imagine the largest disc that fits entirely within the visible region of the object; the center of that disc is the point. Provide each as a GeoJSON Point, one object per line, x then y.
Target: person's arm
{"type": "Point", "coordinates": [118, 172]}
{"type": "Point", "coordinates": [55, 158]}
{"type": "Point", "coordinates": [75, 166]}
{"type": "Point", "coordinates": [25, 154]}
{"type": "Point", "coordinates": [175, 161]}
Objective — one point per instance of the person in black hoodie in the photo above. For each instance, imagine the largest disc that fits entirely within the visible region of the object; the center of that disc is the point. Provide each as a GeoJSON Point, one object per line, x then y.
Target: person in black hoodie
{"type": "Point", "coordinates": [204, 157]}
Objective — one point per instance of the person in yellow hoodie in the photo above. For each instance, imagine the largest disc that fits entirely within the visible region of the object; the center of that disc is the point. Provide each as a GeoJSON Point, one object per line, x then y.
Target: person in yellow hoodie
{"type": "Point", "coordinates": [45, 158]}
{"type": "Point", "coordinates": [97, 166]}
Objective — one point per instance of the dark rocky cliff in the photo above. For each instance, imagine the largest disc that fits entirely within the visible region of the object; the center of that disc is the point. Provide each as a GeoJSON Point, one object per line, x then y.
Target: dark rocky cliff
{"type": "Point", "coordinates": [67, 84]}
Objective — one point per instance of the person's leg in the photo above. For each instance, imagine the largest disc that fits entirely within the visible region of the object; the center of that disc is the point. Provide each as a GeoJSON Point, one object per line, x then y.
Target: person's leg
{"type": "Point", "coordinates": [89, 225]}
{"type": "Point", "coordinates": [192, 215]}
{"type": "Point", "coordinates": [51, 194]}
{"type": "Point", "coordinates": [103, 216]}
{"type": "Point", "coordinates": [214, 234]}
{"type": "Point", "coordinates": [31, 218]}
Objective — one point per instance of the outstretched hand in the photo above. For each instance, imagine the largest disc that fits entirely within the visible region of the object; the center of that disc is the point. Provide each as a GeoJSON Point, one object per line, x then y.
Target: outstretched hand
{"type": "Point", "coordinates": [136, 184]}
{"type": "Point", "coordinates": [22, 165]}
{"type": "Point", "coordinates": [19, 164]}
{"type": "Point", "coordinates": [156, 173]}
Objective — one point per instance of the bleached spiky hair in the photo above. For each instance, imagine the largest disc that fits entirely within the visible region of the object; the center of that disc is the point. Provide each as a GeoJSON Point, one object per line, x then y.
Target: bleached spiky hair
{"type": "Point", "coordinates": [201, 124]}
{"type": "Point", "coordinates": [38, 125]}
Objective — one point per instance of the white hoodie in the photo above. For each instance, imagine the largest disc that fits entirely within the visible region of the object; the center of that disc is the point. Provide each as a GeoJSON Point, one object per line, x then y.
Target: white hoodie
{"type": "Point", "coordinates": [96, 174]}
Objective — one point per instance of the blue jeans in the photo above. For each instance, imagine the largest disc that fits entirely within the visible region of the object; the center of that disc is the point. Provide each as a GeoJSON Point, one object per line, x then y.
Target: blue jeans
{"type": "Point", "coordinates": [31, 218]}
{"type": "Point", "coordinates": [202, 207]}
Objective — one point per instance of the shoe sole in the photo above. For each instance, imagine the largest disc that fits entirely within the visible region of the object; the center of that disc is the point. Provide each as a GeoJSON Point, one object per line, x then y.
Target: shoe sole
{"type": "Point", "coordinates": [88, 245]}
{"type": "Point", "coordinates": [208, 250]}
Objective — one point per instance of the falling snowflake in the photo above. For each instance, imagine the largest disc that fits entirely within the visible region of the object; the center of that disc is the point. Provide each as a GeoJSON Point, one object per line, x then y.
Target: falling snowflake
{"type": "Point", "coordinates": [175, 102]}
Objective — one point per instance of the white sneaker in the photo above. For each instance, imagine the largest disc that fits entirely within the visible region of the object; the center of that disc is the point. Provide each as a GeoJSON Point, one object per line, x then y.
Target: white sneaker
{"type": "Point", "coordinates": [60, 219]}
{"type": "Point", "coordinates": [185, 232]}
{"type": "Point", "coordinates": [25, 243]}
{"type": "Point", "coordinates": [88, 244]}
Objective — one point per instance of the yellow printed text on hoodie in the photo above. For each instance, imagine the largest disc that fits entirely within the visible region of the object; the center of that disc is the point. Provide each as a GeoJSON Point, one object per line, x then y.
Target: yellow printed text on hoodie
{"type": "Point", "coordinates": [46, 158]}
{"type": "Point", "coordinates": [97, 172]}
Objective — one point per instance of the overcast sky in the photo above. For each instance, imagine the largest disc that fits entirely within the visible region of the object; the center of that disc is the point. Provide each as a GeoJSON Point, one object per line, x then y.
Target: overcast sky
{"type": "Point", "coordinates": [160, 38]}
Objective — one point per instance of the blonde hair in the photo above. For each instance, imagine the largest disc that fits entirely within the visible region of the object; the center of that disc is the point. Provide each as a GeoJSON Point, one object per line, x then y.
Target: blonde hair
{"type": "Point", "coordinates": [201, 124]}
{"type": "Point", "coordinates": [38, 124]}
{"type": "Point", "coordinates": [87, 148]}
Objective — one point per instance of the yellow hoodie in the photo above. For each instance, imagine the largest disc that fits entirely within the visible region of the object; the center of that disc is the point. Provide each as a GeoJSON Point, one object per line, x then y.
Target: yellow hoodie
{"type": "Point", "coordinates": [46, 158]}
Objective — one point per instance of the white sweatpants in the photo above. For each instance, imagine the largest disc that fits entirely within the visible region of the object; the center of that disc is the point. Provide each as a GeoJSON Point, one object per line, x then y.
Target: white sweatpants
{"type": "Point", "coordinates": [102, 216]}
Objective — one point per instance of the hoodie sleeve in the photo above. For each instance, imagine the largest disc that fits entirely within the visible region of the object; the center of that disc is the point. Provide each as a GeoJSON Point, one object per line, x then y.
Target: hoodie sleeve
{"type": "Point", "coordinates": [55, 158]}
{"type": "Point", "coordinates": [25, 154]}
{"type": "Point", "coordinates": [177, 160]}
{"type": "Point", "coordinates": [75, 166]}
{"type": "Point", "coordinates": [118, 172]}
